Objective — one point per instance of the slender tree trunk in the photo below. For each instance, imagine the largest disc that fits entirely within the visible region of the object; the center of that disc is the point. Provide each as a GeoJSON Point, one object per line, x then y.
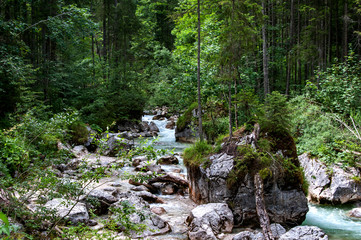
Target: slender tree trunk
{"type": "Point", "coordinates": [289, 61]}
{"type": "Point", "coordinates": [265, 54]}
{"type": "Point", "coordinates": [235, 105]}
{"type": "Point", "coordinates": [345, 29]}
{"type": "Point", "coordinates": [261, 208]}
{"type": "Point", "coordinates": [200, 129]}
{"type": "Point", "coordinates": [230, 109]}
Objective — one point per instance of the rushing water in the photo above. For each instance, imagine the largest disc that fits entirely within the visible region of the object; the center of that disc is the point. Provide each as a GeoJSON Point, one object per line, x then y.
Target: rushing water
{"type": "Point", "coordinates": [333, 220]}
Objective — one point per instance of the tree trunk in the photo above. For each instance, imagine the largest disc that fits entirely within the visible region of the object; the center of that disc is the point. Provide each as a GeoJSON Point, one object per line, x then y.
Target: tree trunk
{"type": "Point", "coordinates": [345, 28]}
{"type": "Point", "coordinates": [265, 54]}
{"type": "Point", "coordinates": [230, 109]}
{"type": "Point", "coordinates": [200, 130]}
{"type": "Point", "coordinates": [261, 208]}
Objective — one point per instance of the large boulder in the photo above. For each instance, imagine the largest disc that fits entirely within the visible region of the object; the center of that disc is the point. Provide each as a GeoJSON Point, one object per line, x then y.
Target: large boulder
{"type": "Point", "coordinates": [132, 209]}
{"type": "Point", "coordinates": [220, 179]}
{"type": "Point", "coordinates": [69, 210]}
{"type": "Point", "coordinates": [115, 144]}
{"type": "Point", "coordinates": [334, 186]}
{"type": "Point", "coordinates": [209, 184]}
{"type": "Point", "coordinates": [186, 135]}
{"type": "Point", "coordinates": [103, 199]}
{"type": "Point", "coordinates": [304, 233]}
{"type": "Point", "coordinates": [206, 221]}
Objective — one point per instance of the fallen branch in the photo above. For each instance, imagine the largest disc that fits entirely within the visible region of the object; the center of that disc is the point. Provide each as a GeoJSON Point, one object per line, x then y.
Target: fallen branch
{"type": "Point", "coordinates": [170, 178]}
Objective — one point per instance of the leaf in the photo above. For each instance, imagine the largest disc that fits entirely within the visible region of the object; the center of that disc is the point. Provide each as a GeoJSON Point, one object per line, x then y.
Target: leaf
{"type": "Point", "coordinates": [4, 218]}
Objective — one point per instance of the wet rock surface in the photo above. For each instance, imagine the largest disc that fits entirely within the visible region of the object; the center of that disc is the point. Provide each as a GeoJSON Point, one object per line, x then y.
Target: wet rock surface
{"type": "Point", "coordinates": [330, 185]}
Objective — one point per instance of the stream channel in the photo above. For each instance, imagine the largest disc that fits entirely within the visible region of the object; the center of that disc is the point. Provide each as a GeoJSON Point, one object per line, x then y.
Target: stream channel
{"type": "Point", "coordinates": [331, 219]}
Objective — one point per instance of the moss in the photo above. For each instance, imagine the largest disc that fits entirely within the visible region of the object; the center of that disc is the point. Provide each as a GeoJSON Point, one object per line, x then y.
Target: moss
{"type": "Point", "coordinates": [197, 154]}
{"type": "Point", "coordinates": [186, 118]}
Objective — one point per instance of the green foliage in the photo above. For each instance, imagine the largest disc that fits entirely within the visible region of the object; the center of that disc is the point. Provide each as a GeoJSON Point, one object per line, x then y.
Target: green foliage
{"type": "Point", "coordinates": [249, 106]}
{"type": "Point", "coordinates": [277, 113]}
{"type": "Point", "coordinates": [213, 129]}
{"type": "Point", "coordinates": [338, 89]}
{"type": "Point", "coordinates": [79, 133]}
{"type": "Point", "coordinates": [122, 219]}
{"type": "Point", "coordinates": [186, 118]}
{"type": "Point", "coordinates": [197, 154]}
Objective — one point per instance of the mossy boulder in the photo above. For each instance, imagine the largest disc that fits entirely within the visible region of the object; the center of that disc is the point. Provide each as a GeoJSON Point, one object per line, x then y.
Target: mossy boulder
{"type": "Point", "coordinates": [228, 176]}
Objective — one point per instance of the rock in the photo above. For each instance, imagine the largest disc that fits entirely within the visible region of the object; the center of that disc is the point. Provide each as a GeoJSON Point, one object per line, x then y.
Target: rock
{"type": "Point", "coordinates": [154, 224]}
{"type": "Point", "coordinates": [73, 164]}
{"type": "Point", "coordinates": [159, 117]}
{"type": "Point", "coordinates": [80, 151]}
{"type": "Point", "coordinates": [277, 231]}
{"type": "Point", "coordinates": [335, 186]}
{"type": "Point", "coordinates": [115, 144]}
{"type": "Point", "coordinates": [138, 160]}
{"type": "Point", "coordinates": [158, 210]}
{"type": "Point", "coordinates": [64, 208]}
{"type": "Point", "coordinates": [116, 184]}
{"type": "Point", "coordinates": [168, 160]}
{"type": "Point", "coordinates": [149, 197]}
{"type": "Point", "coordinates": [104, 198]}
{"type": "Point", "coordinates": [170, 125]}
{"type": "Point", "coordinates": [206, 221]}
{"type": "Point", "coordinates": [169, 189]}
{"type": "Point", "coordinates": [140, 188]}
{"type": "Point", "coordinates": [304, 233]}
{"type": "Point", "coordinates": [153, 127]}
{"type": "Point", "coordinates": [187, 135]}
{"type": "Point", "coordinates": [144, 167]}
{"type": "Point", "coordinates": [285, 204]}
{"type": "Point", "coordinates": [144, 126]}
{"type": "Point", "coordinates": [355, 213]}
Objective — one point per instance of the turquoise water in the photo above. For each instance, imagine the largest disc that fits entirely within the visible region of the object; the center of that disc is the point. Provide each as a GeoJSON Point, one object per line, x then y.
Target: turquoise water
{"type": "Point", "coordinates": [334, 221]}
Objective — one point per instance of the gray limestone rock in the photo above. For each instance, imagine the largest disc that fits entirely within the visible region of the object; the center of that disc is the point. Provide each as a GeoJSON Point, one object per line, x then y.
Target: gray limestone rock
{"type": "Point", "coordinates": [330, 186]}
{"type": "Point", "coordinates": [304, 233]}
{"type": "Point", "coordinates": [208, 220]}
{"type": "Point", "coordinates": [209, 184]}
{"type": "Point", "coordinates": [64, 208]}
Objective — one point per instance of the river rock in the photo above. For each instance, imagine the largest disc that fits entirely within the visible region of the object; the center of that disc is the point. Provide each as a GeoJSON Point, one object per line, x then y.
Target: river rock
{"type": "Point", "coordinates": [335, 186]}
{"type": "Point", "coordinates": [277, 231]}
{"type": "Point", "coordinates": [168, 160]}
{"type": "Point", "coordinates": [355, 213]}
{"type": "Point", "coordinates": [80, 151]}
{"type": "Point", "coordinates": [64, 208]}
{"type": "Point", "coordinates": [149, 197]}
{"type": "Point", "coordinates": [304, 233]}
{"type": "Point", "coordinates": [208, 220]}
{"type": "Point", "coordinates": [104, 198]}
{"type": "Point", "coordinates": [186, 135]}
{"type": "Point", "coordinates": [115, 144]}
{"type": "Point", "coordinates": [158, 210]}
{"type": "Point", "coordinates": [170, 125]}
{"type": "Point", "coordinates": [140, 214]}
{"type": "Point", "coordinates": [153, 127]}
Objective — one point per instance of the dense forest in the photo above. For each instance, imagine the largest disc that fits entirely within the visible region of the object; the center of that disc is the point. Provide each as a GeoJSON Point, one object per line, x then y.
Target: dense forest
{"type": "Point", "coordinates": [71, 64]}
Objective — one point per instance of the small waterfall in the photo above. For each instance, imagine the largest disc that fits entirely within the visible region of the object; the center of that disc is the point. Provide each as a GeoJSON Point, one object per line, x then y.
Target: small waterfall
{"type": "Point", "coordinates": [166, 138]}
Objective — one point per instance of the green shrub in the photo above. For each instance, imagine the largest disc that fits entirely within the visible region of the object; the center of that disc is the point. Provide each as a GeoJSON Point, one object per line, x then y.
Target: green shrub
{"type": "Point", "coordinates": [79, 133]}
{"type": "Point", "coordinates": [197, 153]}
{"type": "Point", "coordinates": [276, 113]}
{"type": "Point", "coordinates": [215, 128]}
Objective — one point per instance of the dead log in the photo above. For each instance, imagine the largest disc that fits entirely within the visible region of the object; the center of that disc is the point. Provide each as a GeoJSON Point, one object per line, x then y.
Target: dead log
{"type": "Point", "coordinates": [170, 178]}
{"type": "Point", "coordinates": [261, 208]}
{"type": "Point", "coordinates": [151, 188]}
